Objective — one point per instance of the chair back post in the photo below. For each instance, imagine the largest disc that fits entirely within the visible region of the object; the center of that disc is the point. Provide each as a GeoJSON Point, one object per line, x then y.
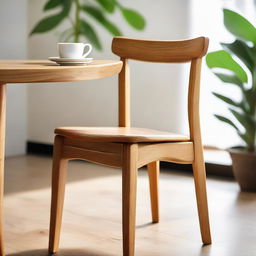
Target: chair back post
{"type": "Point", "coordinates": [124, 115]}
{"type": "Point", "coordinates": [194, 100]}
{"type": "Point", "coordinates": [194, 96]}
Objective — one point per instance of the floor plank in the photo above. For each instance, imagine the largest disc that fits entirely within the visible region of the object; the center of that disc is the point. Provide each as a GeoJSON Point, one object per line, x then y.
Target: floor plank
{"type": "Point", "coordinates": [92, 216]}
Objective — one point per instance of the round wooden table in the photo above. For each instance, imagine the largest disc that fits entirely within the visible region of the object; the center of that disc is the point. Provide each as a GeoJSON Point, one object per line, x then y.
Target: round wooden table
{"type": "Point", "coordinates": [42, 71]}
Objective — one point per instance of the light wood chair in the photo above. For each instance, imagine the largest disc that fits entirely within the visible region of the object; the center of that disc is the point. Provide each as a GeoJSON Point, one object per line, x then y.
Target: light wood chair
{"type": "Point", "coordinates": [130, 148]}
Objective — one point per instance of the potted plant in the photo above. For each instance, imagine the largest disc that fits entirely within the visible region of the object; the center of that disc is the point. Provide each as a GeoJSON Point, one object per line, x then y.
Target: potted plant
{"type": "Point", "coordinates": [80, 13]}
{"type": "Point", "coordinates": [236, 65]}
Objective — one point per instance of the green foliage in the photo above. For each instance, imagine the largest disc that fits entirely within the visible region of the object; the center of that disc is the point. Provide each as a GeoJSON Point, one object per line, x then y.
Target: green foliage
{"type": "Point", "coordinates": [52, 21]}
{"type": "Point", "coordinates": [226, 120]}
{"type": "Point", "coordinates": [241, 73]}
{"type": "Point", "coordinates": [223, 59]}
{"type": "Point", "coordinates": [229, 78]}
{"type": "Point", "coordinates": [81, 14]}
{"type": "Point", "coordinates": [108, 5]}
{"type": "Point", "coordinates": [48, 23]}
{"type": "Point", "coordinates": [133, 18]}
{"type": "Point", "coordinates": [87, 30]}
{"type": "Point", "coordinates": [242, 51]}
{"type": "Point", "coordinates": [52, 4]}
{"type": "Point", "coordinates": [239, 26]}
{"type": "Point", "coordinates": [101, 19]}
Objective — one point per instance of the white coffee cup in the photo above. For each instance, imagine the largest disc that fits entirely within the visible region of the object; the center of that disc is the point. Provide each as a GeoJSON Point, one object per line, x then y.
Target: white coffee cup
{"type": "Point", "coordinates": [73, 50]}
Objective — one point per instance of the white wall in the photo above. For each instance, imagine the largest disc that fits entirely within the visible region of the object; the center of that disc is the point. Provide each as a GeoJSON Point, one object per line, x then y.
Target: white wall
{"type": "Point", "coordinates": [13, 45]}
{"type": "Point", "coordinates": [157, 89]}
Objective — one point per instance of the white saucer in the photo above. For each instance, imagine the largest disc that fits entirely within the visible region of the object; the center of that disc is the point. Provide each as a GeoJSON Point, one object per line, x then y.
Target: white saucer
{"type": "Point", "coordinates": [71, 62]}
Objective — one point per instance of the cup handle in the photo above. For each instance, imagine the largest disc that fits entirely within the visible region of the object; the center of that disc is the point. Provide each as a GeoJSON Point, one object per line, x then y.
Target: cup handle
{"type": "Point", "coordinates": [89, 50]}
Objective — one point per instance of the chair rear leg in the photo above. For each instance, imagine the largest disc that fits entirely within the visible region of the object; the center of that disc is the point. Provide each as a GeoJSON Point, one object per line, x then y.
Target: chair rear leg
{"type": "Point", "coordinates": [59, 170]}
{"type": "Point", "coordinates": [201, 195]}
{"type": "Point", "coordinates": [153, 173]}
{"type": "Point", "coordinates": [129, 187]}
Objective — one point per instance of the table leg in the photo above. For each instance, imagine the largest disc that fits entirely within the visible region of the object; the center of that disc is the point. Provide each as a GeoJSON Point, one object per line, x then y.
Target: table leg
{"type": "Point", "coordinates": [2, 147]}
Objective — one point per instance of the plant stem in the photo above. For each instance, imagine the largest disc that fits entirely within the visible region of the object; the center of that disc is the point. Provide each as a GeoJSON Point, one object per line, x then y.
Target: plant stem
{"type": "Point", "coordinates": [77, 22]}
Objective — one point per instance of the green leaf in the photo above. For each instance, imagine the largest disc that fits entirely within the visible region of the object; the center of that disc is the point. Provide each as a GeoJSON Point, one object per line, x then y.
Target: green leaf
{"type": "Point", "coordinates": [100, 17]}
{"type": "Point", "coordinates": [52, 21]}
{"type": "Point", "coordinates": [133, 18]}
{"type": "Point", "coordinates": [66, 7]}
{"type": "Point", "coordinates": [226, 120]}
{"type": "Point", "coordinates": [243, 52]}
{"type": "Point", "coordinates": [48, 23]}
{"type": "Point", "coordinates": [244, 137]}
{"type": "Point", "coordinates": [250, 144]}
{"type": "Point", "coordinates": [246, 121]}
{"type": "Point", "coordinates": [87, 30]}
{"type": "Point", "coordinates": [108, 5]}
{"type": "Point", "coordinates": [232, 79]}
{"type": "Point", "coordinates": [227, 100]}
{"type": "Point", "coordinates": [254, 80]}
{"type": "Point", "coordinates": [239, 26]}
{"type": "Point", "coordinates": [249, 97]}
{"type": "Point", "coordinates": [222, 59]}
{"type": "Point", "coordinates": [51, 4]}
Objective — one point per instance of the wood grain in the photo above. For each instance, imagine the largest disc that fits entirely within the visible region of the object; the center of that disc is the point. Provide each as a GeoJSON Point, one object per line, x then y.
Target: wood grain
{"type": "Point", "coordinates": [160, 51]}
{"type": "Point", "coordinates": [124, 98]}
{"type": "Point", "coordinates": [98, 157]}
{"type": "Point", "coordinates": [109, 154]}
{"type": "Point", "coordinates": [96, 146]}
{"type": "Point", "coordinates": [176, 152]}
{"type": "Point", "coordinates": [118, 134]}
{"type": "Point", "coordinates": [129, 189]}
{"type": "Point", "coordinates": [41, 71]}
{"type": "Point", "coordinates": [59, 173]}
{"type": "Point", "coordinates": [153, 174]}
{"type": "Point", "coordinates": [198, 164]}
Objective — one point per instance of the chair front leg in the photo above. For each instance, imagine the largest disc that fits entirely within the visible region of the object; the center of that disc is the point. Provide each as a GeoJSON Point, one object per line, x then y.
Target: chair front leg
{"type": "Point", "coordinates": [201, 196]}
{"type": "Point", "coordinates": [153, 174]}
{"type": "Point", "coordinates": [59, 171]}
{"type": "Point", "coordinates": [129, 188]}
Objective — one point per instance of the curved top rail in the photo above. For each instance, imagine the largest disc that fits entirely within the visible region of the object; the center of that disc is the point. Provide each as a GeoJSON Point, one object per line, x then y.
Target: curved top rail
{"type": "Point", "coordinates": [160, 51]}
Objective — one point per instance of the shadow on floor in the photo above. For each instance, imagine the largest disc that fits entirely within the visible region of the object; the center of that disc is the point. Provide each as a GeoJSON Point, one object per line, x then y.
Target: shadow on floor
{"type": "Point", "coordinates": [204, 250]}
{"type": "Point", "coordinates": [64, 252]}
{"type": "Point", "coordinates": [34, 172]}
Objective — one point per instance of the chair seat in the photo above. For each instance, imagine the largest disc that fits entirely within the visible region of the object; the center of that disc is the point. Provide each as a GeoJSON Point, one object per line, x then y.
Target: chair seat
{"type": "Point", "coordinates": [119, 134]}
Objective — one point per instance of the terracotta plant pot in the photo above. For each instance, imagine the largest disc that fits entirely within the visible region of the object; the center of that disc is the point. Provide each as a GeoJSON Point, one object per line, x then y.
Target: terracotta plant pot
{"type": "Point", "coordinates": [244, 168]}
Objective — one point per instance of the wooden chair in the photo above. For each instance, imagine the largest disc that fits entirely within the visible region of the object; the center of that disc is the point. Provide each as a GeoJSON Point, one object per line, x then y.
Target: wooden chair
{"type": "Point", "coordinates": [130, 148]}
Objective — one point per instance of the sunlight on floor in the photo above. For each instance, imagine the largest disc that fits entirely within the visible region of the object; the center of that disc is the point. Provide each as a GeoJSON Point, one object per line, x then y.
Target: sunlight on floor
{"type": "Point", "coordinates": [92, 215]}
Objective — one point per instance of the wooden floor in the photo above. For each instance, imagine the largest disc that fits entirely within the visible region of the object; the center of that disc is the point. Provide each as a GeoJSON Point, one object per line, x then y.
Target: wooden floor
{"type": "Point", "coordinates": [92, 217]}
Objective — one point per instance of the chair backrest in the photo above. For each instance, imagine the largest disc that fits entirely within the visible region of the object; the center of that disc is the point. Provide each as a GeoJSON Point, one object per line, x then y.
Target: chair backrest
{"type": "Point", "coordinates": [164, 52]}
